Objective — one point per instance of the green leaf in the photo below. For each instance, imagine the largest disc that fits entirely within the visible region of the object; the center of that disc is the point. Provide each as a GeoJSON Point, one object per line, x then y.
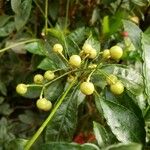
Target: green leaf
{"type": "Point", "coordinates": [54, 90]}
{"type": "Point", "coordinates": [3, 88]}
{"type": "Point", "coordinates": [4, 19]}
{"type": "Point", "coordinates": [134, 33]}
{"type": "Point", "coordinates": [68, 146]}
{"type": "Point", "coordinates": [132, 79]}
{"type": "Point", "coordinates": [7, 29]}
{"type": "Point", "coordinates": [75, 39]}
{"type": "Point", "coordinates": [140, 2]}
{"type": "Point", "coordinates": [22, 9]}
{"type": "Point", "coordinates": [130, 146]}
{"type": "Point", "coordinates": [17, 144]}
{"type": "Point", "coordinates": [36, 48]}
{"type": "Point", "coordinates": [33, 92]}
{"type": "Point", "coordinates": [105, 25]}
{"type": "Point", "coordinates": [124, 123]}
{"type": "Point", "coordinates": [146, 64]}
{"type": "Point", "coordinates": [100, 134]}
{"type": "Point", "coordinates": [5, 109]}
{"type": "Point", "coordinates": [63, 124]}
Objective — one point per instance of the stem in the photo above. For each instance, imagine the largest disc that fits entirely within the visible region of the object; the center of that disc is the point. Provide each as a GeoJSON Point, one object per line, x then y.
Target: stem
{"type": "Point", "coordinates": [46, 16]}
{"type": "Point", "coordinates": [63, 57]}
{"type": "Point", "coordinates": [67, 10]}
{"type": "Point", "coordinates": [34, 85]}
{"type": "Point", "coordinates": [42, 91]}
{"type": "Point", "coordinates": [39, 131]}
{"type": "Point", "coordinates": [17, 44]}
{"type": "Point", "coordinates": [42, 12]}
{"type": "Point", "coordinates": [88, 79]}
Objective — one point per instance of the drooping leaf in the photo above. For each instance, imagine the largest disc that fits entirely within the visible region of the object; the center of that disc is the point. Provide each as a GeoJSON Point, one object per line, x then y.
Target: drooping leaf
{"type": "Point", "coordinates": [130, 146]}
{"type": "Point", "coordinates": [7, 29]}
{"type": "Point", "coordinates": [63, 124]}
{"type": "Point", "coordinates": [134, 33]}
{"type": "Point", "coordinates": [17, 144]}
{"type": "Point", "coordinates": [22, 9]}
{"type": "Point", "coordinates": [68, 146]}
{"type": "Point", "coordinates": [54, 90]}
{"type": "Point", "coordinates": [123, 122]}
{"type": "Point", "coordinates": [132, 79]}
{"type": "Point", "coordinates": [146, 64]}
{"type": "Point", "coordinates": [101, 134]}
{"type": "Point", "coordinates": [36, 48]}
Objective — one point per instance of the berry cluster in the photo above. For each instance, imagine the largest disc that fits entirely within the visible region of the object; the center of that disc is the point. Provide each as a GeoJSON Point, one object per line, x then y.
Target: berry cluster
{"type": "Point", "coordinates": [76, 62]}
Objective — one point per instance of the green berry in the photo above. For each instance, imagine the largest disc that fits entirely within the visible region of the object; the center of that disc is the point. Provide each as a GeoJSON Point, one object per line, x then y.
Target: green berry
{"type": "Point", "coordinates": [111, 79]}
{"type": "Point", "coordinates": [106, 54]}
{"type": "Point", "coordinates": [58, 48]}
{"type": "Point", "coordinates": [87, 88]}
{"type": "Point", "coordinates": [21, 89]}
{"type": "Point", "coordinates": [70, 78]}
{"type": "Point", "coordinates": [93, 53]}
{"type": "Point", "coordinates": [38, 79]}
{"type": "Point", "coordinates": [75, 61]}
{"type": "Point", "coordinates": [92, 66]}
{"type": "Point", "coordinates": [43, 104]}
{"type": "Point", "coordinates": [117, 88]}
{"type": "Point", "coordinates": [116, 52]}
{"type": "Point", "coordinates": [49, 75]}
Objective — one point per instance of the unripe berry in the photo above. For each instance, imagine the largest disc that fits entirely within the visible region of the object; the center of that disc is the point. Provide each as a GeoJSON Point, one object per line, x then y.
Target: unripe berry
{"type": "Point", "coordinates": [21, 89]}
{"type": "Point", "coordinates": [135, 19]}
{"type": "Point", "coordinates": [58, 48]}
{"type": "Point", "coordinates": [92, 66]}
{"type": "Point", "coordinates": [106, 54]}
{"type": "Point", "coordinates": [49, 75]}
{"type": "Point", "coordinates": [43, 104]}
{"type": "Point", "coordinates": [93, 53]}
{"type": "Point", "coordinates": [87, 48]}
{"type": "Point", "coordinates": [75, 61]}
{"type": "Point", "coordinates": [111, 79]}
{"type": "Point", "coordinates": [117, 88]}
{"type": "Point", "coordinates": [70, 78]}
{"type": "Point", "coordinates": [87, 88]}
{"type": "Point", "coordinates": [38, 79]}
{"type": "Point", "coordinates": [116, 52]}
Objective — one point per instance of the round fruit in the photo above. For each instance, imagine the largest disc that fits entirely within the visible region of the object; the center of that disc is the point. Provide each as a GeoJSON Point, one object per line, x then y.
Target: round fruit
{"type": "Point", "coordinates": [70, 78]}
{"type": "Point", "coordinates": [135, 19]}
{"type": "Point", "coordinates": [87, 48]}
{"type": "Point", "coordinates": [111, 79]}
{"type": "Point", "coordinates": [75, 61]}
{"type": "Point", "coordinates": [43, 104]}
{"type": "Point", "coordinates": [117, 88]}
{"type": "Point", "coordinates": [106, 54]}
{"type": "Point", "coordinates": [116, 52]}
{"type": "Point", "coordinates": [58, 48]}
{"type": "Point", "coordinates": [48, 106]}
{"type": "Point", "coordinates": [92, 66]}
{"type": "Point", "coordinates": [38, 79]}
{"type": "Point", "coordinates": [87, 88]}
{"type": "Point", "coordinates": [21, 88]}
{"type": "Point", "coordinates": [49, 75]}
{"type": "Point", "coordinates": [93, 53]}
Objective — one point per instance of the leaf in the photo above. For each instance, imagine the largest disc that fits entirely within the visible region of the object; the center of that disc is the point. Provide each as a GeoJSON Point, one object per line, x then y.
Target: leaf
{"type": "Point", "coordinates": [68, 146]}
{"type": "Point", "coordinates": [123, 122]}
{"type": "Point", "coordinates": [132, 79]}
{"type": "Point", "coordinates": [17, 144]}
{"type": "Point", "coordinates": [105, 25]}
{"type": "Point", "coordinates": [75, 39]}
{"type": "Point", "coordinates": [7, 29]}
{"type": "Point", "coordinates": [36, 48]}
{"type": "Point", "coordinates": [146, 64]}
{"type": "Point", "coordinates": [54, 90]}
{"type": "Point", "coordinates": [3, 88]}
{"type": "Point", "coordinates": [130, 146]}
{"type": "Point", "coordinates": [22, 9]}
{"type": "Point", "coordinates": [32, 92]}
{"type": "Point", "coordinates": [140, 2]}
{"type": "Point", "coordinates": [100, 134]}
{"type": "Point", "coordinates": [5, 109]}
{"type": "Point", "coordinates": [134, 33]}
{"type": "Point", "coordinates": [53, 62]}
{"type": "Point", "coordinates": [4, 19]}
{"type": "Point", "coordinates": [63, 124]}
